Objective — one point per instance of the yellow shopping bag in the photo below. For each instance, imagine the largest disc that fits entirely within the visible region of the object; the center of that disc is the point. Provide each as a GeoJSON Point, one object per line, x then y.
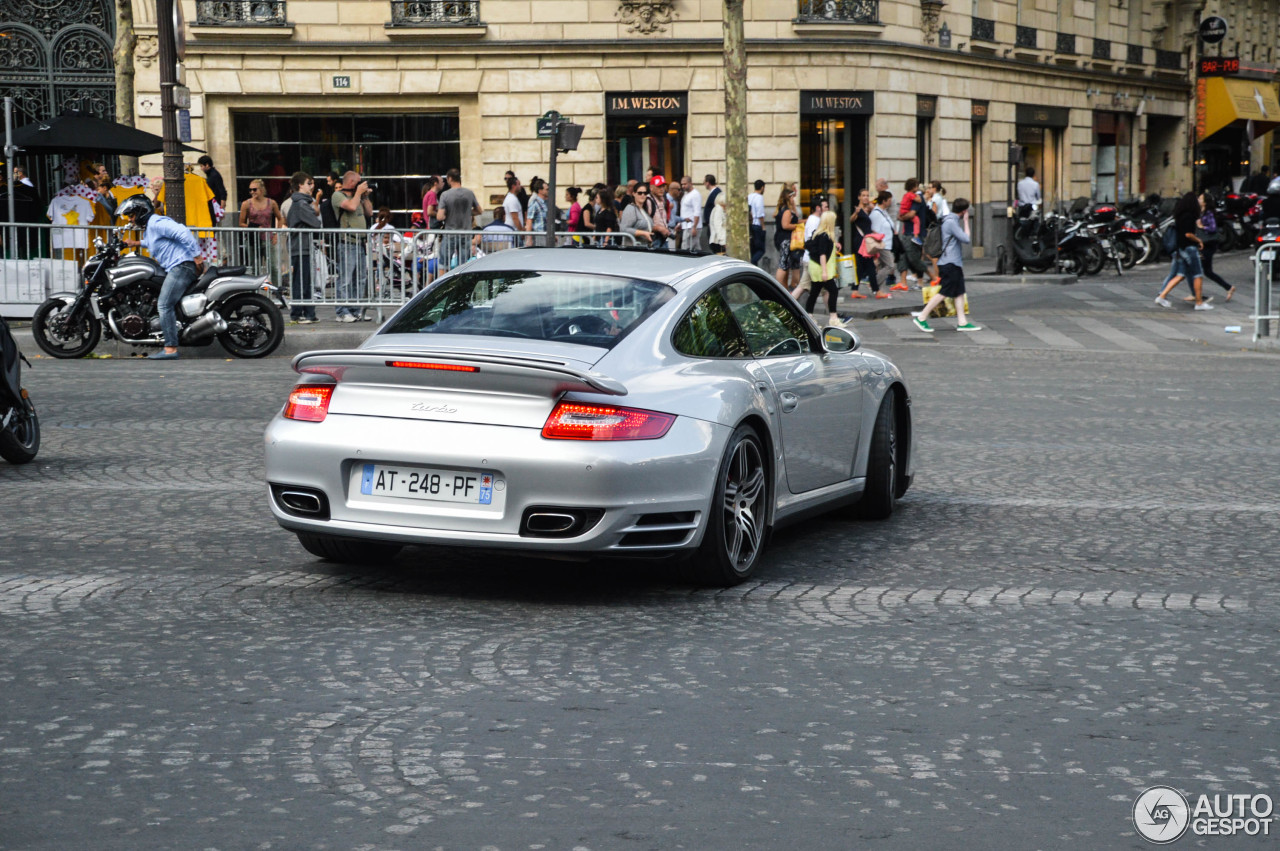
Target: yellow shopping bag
{"type": "Point", "coordinates": [948, 306]}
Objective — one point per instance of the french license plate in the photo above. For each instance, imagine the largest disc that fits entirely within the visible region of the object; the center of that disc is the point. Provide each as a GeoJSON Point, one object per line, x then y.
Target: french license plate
{"type": "Point", "coordinates": [426, 483]}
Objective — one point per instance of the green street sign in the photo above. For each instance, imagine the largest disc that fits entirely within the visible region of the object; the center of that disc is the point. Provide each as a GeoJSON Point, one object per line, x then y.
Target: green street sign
{"type": "Point", "coordinates": [547, 124]}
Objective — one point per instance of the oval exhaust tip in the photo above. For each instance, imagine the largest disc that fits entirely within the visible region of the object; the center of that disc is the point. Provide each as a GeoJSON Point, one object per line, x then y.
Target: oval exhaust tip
{"type": "Point", "coordinates": [304, 503]}
{"type": "Point", "coordinates": [550, 522]}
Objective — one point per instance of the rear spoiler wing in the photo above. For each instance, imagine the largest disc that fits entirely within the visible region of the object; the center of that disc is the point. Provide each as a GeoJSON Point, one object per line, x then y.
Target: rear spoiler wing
{"type": "Point", "coordinates": [335, 363]}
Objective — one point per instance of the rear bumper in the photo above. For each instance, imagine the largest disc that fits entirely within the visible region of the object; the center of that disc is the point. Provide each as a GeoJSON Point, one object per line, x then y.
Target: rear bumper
{"type": "Point", "coordinates": [629, 481]}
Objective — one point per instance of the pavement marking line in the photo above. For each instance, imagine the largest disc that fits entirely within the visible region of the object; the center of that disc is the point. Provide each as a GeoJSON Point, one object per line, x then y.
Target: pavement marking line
{"type": "Point", "coordinates": [1044, 333]}
{"type": "Point", "coordinates": [1162, 329]}
{"type": "Point", "coordinates": [1113, 335]}
{"type": "Point", "coordinates": [985, 337]}
{"type": "Point", "coordinates": [1120, 290]}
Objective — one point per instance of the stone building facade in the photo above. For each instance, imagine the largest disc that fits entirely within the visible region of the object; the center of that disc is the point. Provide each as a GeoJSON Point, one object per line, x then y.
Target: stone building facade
{"type": "Point", "coordinates": [1099, 93]}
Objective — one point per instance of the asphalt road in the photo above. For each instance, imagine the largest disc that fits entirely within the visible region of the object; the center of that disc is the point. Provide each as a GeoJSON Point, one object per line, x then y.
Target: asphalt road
{"type": "Point", "coordinates": [1074, 602]}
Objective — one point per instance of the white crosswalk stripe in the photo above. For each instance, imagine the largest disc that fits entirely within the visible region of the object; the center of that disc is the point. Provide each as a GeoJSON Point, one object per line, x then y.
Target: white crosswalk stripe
{"type": "Point", "coordinates": [1113, 335]}
{"type": "Point", "coordinates": [1044, 333]}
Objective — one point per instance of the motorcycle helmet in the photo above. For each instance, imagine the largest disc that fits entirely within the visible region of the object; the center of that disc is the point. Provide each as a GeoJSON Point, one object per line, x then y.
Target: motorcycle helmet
{"type": "Point", "coordinates": [138, 208]}
{"type": "Point", "coordinates": [1273, 188]}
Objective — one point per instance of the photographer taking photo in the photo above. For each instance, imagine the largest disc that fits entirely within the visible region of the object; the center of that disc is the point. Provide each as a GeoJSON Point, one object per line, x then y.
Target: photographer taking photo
{"type": "Point", "coordinates": [353, 206]}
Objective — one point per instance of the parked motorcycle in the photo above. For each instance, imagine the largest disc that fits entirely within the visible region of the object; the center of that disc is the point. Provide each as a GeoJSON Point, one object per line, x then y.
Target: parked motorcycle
{"type": "Point", "coordinates": [19, 425]}
{"type": "Point", "coordinates": [1033, 244]}
{"type": "Point", "coordinates": [1079, 253]}
{"type": "Point", "coordinates": [120, 299]}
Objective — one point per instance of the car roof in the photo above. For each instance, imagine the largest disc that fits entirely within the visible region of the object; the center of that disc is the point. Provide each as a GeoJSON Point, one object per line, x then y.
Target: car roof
{"type": "Point", "coordinates": [660, 266]}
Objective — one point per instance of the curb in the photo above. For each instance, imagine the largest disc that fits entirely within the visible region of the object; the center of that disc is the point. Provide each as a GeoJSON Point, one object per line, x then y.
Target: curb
{"type": "Point", "coordinates": [1055, 280]}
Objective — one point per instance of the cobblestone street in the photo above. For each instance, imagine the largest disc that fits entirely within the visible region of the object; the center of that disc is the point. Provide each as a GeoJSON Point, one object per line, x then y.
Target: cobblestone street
{"type": "Point", "coordinates": [1075, 601]}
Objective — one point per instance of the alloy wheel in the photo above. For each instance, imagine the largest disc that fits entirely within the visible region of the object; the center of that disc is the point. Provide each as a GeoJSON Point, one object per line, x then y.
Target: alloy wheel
{"type": "Point", "coordinates": [744, 503]}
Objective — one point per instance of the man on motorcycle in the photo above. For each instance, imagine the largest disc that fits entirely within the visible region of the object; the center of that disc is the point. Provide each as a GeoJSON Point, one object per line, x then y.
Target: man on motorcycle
{"type": "Point", "coordinates": [173, 247]}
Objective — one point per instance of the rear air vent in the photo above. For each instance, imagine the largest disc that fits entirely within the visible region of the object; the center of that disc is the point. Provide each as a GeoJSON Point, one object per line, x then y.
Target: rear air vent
{"type": "Point", "coordinates": [666, 529]}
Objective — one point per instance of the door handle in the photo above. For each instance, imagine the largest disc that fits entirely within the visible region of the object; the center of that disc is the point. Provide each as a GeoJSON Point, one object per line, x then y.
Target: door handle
{"type": "Point", "coordinates": [789, 401]}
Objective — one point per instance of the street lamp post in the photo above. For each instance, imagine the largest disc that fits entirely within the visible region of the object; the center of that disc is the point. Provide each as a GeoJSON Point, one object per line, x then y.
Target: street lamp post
{"type": "Point", "coordinates": [175, 206]}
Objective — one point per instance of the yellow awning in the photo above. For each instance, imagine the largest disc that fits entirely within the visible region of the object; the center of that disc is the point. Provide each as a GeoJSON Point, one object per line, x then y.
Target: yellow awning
{"type": "Point", "coordinates": [1222, 101]}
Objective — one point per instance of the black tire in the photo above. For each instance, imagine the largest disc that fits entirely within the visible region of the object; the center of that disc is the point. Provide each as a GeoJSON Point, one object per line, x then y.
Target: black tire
{"type": "Point", "coordinates": [881, 492]}
{"type": "Point", "coordinates": [255, 326]}
{"type": "Point", "coordinates": [1129, 253]}
{"type": "Point", "coordinates": [58, 341]}
{"type": "Point", "coordinates": [348, 550]}
{"type": "Point", "coordinates": [737, 523]}
{"type": "Point", "coordinates": [20, 440]}
{"type": "Point", "coordinates": [1093, 258]}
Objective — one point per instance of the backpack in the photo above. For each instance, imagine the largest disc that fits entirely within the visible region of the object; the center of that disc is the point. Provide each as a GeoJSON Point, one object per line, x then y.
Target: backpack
{"type": "Point", "coordinates": [933, 241]}
{"type": "Point", "coordinates": [1169, 242]}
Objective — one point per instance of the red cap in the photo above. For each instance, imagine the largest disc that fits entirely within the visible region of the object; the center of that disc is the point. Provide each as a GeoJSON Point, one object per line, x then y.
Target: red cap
{"type": "Point", "coordinates": [658, 180]}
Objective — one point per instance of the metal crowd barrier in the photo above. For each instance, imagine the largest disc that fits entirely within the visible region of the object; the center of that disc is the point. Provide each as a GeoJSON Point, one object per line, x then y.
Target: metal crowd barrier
{"type": "Point", "coordinates": [335, 268]}
{"type": "Point", "coordinates": [1264, 265]}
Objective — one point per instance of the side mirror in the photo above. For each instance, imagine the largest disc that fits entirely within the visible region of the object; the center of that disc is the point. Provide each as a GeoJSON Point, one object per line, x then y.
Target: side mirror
{"type": "Point", "coordinates": [840, 339]}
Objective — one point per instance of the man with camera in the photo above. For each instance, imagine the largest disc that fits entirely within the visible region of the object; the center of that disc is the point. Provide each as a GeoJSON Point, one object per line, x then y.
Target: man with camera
{"type": "Point", "coordinates": [352, 204]}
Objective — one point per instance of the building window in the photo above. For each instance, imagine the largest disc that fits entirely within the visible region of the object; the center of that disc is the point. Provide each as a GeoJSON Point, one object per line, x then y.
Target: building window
{"type": "Point", "coordinates": [1025, 37]}
{"type": "Point", "coordinates": [846, 11]}
{"type": "Point", "coordinates": [395, 152]}
{"type": "Point", "coordinates": [240, 13]}
{"type": "Point", "coordinates": [434, 13]}
{"type": "Point", "coordinates": [1112, 147]}
{"type": "Point", "coordinates": [983, 29]}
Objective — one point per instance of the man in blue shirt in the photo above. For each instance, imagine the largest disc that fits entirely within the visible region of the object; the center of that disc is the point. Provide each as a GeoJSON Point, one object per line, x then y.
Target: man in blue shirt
{"type": "Point", "coordinates": [174, 248]}
{"type": "Point", "coordinates": [955, 231]}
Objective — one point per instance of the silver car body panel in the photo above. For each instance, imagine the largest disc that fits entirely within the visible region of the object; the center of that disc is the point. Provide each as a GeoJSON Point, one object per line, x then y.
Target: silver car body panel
{"type": "Point", "coordinates": [815, 411]}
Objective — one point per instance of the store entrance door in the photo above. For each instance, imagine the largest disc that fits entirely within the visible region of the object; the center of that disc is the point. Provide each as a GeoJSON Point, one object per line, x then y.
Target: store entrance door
{"type": "Point", "coordinates": [833, 149]}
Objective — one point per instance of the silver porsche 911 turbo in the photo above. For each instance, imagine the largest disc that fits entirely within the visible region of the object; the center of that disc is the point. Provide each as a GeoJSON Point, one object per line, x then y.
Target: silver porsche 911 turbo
{"type": "Point", "coordinates": [573, 401]}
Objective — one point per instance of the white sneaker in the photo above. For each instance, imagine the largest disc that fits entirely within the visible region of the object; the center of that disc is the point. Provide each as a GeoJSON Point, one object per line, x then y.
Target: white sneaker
{"type": "Point", "coordinates": [1204, 305]}
{"type": "Point", "coordinates": [912, 279]}
{"type": "Point", "coordinates": [347, 317]}
{"type": "Point", "coordinates": [1163, 302]}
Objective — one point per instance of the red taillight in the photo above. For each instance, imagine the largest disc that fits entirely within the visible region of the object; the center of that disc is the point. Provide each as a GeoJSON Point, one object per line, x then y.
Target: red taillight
{"type": "Point", "coordinates": [585, 421]}
{"type": "Point", "coordinates": [447, 367]}
{"type": "Point", "coordinates": [309, 402]}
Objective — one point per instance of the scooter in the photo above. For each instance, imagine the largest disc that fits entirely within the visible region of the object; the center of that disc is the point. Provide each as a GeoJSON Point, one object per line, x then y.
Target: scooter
{"type": "Point", "coordinates": [19, 425]}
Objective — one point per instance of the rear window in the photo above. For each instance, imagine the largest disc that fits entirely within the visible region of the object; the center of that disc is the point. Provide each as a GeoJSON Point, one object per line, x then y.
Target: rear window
{"type": "Point", "coordinates": [591, 310]}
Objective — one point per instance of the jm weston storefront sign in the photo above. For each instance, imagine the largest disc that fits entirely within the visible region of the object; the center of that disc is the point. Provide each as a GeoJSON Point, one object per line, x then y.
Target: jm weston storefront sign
{"type": "Point", "coordinates": [837, 103]}
{"type": "Point", "coordinates": [654, 104]}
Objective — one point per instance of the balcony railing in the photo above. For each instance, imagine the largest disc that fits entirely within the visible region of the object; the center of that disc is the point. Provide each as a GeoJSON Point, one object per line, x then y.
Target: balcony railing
{"type": "Point", "coordinates": [435, 13]}
{"type": "Point", "coordinates": [1101, 48]}
{"type": "Point", "coordinates": [984, 29]}
{"type": "Point", "coordinates": [1134, 55]}
{"type": "Point", "coordinates": [241, 13]}
{"type": "Point", "coordinates": [1025, 37]}
{"type": "Point", "coordinates": [1170, 59]}
{"type": "Point", "coordinates": [842, 11]}
{"type": "Point", "coordinates": [1066, 44]}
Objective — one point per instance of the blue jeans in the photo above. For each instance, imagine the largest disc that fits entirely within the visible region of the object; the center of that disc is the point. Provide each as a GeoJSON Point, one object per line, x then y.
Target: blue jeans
{"type": "Point", "coordinates": [351, 278]}
{"type": "Point", "coordinates": [175, 284]}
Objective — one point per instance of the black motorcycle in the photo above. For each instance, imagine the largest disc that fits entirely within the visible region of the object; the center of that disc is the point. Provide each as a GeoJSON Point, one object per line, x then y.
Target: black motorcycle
{"type": "Point", "coordinates": [19, 426]}
{"type": "Point", "coordinates": [120, 298]}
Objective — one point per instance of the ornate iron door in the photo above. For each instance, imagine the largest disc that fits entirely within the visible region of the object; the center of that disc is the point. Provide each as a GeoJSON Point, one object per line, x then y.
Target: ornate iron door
{"type": "Point", "coordinates": [56, 55]}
